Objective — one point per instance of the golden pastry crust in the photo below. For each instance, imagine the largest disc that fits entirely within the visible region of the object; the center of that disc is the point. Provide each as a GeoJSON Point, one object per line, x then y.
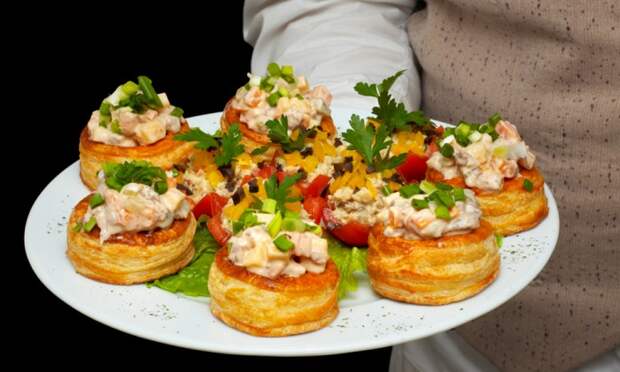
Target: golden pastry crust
{"type": "Point", "coordinates": [432, 271]}
{"type": "Point", "coordinates": [252, 139]}
{"type": "Point", "coordinates": [512, 209]}
{"type": "Point", "coordinates": [261, 306]}
{"type": "Point", "coordinates": [163, 153]}
{"type": "Point", "coordinates": [130, 257]}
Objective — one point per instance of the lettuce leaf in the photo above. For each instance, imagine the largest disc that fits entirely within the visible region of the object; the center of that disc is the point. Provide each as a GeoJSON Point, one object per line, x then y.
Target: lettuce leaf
{"type": "Point", "coordinates": [348, 260]}
{"type": "Point", "coordinates": [193, 279]}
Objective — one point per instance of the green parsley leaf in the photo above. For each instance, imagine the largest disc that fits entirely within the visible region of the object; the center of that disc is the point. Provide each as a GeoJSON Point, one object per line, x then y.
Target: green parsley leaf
{"type": "Point", "coordinates": [279, 191]}
{"type": "Point", "coordinates": [204, 141]}
{"type": "Point", "coordinates": [231, 146]}
{"type": "Point", "coordinates": [138, 171]}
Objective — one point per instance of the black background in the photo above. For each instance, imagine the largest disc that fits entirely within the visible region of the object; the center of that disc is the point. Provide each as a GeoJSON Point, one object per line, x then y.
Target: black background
{"type": "Point", "coordinates": [67, 62]}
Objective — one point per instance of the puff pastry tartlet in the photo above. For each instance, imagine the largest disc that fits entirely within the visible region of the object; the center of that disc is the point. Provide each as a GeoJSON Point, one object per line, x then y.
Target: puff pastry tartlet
{"type": "Point", "coordinates": [133, 123]}
{"type": "Point", "coordinates": [279, 93]}
{"type": "Point", "coordinates": [274, 278]}
{"type": "Point", "coordinates": [130, 232]}
{"type": "Point", "coordinates": [431, 248]}
{"type": "Point", "coordinates": [498, 166]}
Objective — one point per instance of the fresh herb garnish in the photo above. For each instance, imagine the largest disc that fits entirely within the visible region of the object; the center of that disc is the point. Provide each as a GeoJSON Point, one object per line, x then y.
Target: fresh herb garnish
{"type": "Point", "coordinates": [278, 133]}
{"type": "Point", "coordinates": [137, 171]}
{"type": "Point", "coordinates": [260, 150]}
{"type": "Point", "coordinates": [528, 185]}
{"type": "Point", "coordinates": [204, 141]}
{"type": "Point", "coordinates": [389, 112]}
{"type": "Point", "coordinates": [231, 146]}
{"type": "Point", "coordinates": [96, 200]}
{"type": "Point", "coordinates": [370, 142]}
{"type": "Point", "coordinates": [230, 143]}
{"type": "Point", "coordinates": [279, 191]}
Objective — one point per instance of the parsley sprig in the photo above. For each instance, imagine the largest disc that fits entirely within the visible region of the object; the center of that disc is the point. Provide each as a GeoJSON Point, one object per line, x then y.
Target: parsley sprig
{"type": "Point", "coordinates": [279, 191]}
{"type": "Point", "coordinates": [370, 143]}
{"type": "Point", "coordinates": [278, 133]}
{"type": "Point", "coordinates": [388, 111]}
{"type": "Point", "coordinates": [229, 143]}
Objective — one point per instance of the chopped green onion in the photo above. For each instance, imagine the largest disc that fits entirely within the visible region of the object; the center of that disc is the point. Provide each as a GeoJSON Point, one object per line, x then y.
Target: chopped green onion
{"type": "Point", "coordinates": [494, 119]}
{"type": "Point", "coordinates": [299, 96]}
{"type": "Point", "coordinates": [273, 69]}
{"type": "Point", "coordinates": [146, 85]}
{"type": "Point", "coordinates": [443, 186]}
{"type": "Point", "coordinates": [459, 194]}
{"type": "Point", "coordinates": [419, 203]}
{"type": "Point", "coordinates": [88, 226]}
{"type": "Point", "coordinates": [291, 214]}
{"type": "Point", "coordinates": [283, 244]}
{"type": "Point", "coordinates": [77, 227]}
{"type": "Point", "coordinates": [293, 224]}
{"type": "Point", "coordinates": [96, 200]}
{"type": "Point", "coordinates": [269, 206]}
{"type": "Point", "coordinates": [287, 70]}
{"type": "Point", "coordinates": [499, 240]}
{"type": "Point", "coordinates": [289, 79]}
{"type": "Point", "coordinates": [386, 190]}
{"type": "Point", "coordinates": [500, 152]}
{"type": "Point", "coordinates": [445, 198]}
{"type": "Point", "coordinates": [130, 88]}
{"type": "Point", "coordinates": [410, 190]}
{"type": "Point", "coordinates": [273, 99]}
{"type": "Point", "coordinates": [105, 108]}
{"type": "Point", "coordinates": [442, 212]}
{"type": "Point", "coordinates": [283, 91]}
{"type": "Point", "coordinates": [265, 85]}
{"type": "Point", "coordinates": [177, 111]}
{"type": "Point", "coordinates": [462, 139]}
{"type": "Point", "coordinates": [115, 127]}
{"type": "Point", "coordinates": [427, 187]}
{"type": "Point", "coordinates": [528, 185]}
{"type": "Point", "coordinates": [448, 132]}
{"type": "Point", "coordinates": [275, 225]}
{"type": "Point", "coordinates": [463, 129]}
{"type": "Point", "coordinates": [160, 187]}
{"type": "Point", "coordinates": [447, 150]}
{"type": "Point", "coordinates": [175, 172]}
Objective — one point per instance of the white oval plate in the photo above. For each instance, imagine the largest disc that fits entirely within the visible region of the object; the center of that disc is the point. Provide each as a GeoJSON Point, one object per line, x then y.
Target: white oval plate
{"type": "Point", "coordinates": [365, 320]}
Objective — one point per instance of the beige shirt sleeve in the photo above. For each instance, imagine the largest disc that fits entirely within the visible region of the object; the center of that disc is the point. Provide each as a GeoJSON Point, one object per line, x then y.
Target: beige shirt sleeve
{"type": "Point", "coordinates": [336, 43]}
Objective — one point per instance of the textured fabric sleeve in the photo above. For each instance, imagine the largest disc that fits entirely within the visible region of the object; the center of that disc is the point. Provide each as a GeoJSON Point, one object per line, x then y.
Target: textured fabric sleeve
{"type": "Point", "coordinates": [336, 43]}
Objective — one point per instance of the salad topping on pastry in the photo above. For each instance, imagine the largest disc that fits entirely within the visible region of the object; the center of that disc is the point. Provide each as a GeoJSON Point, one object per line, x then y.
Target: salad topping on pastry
{"type": "Point", "coordinates": [281, 93]}
{"type": "Point", "coordinates": [133, 196]}
{"type": "Point", "coordinates": [429, 210]}
{"type": "Point", "coordinates": [134, 115]}
{"type": "Point", "coordinates": [482, 154]}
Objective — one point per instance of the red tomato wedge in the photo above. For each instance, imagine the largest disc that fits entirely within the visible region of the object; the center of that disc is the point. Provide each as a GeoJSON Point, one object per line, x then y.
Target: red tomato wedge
{"type": "Point", "coordinates": [211, 205]}
{"type": "Point", "coordinates": [317, 186]}
{"type": "Point", "coordinates": [413, 168]}
{"type": "Point", "coordinates": [352, 233]}
{"type": "Point", "coordinates": [220, 234]}
{"type": "Point", "coordinates": [314, 206]}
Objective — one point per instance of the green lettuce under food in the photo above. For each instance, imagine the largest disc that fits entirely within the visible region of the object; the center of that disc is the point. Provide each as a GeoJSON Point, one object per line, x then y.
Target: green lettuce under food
{"type": "Point", "coordinates": [193, 279]}
{"type": "Point", "coordinates": [349, 261]}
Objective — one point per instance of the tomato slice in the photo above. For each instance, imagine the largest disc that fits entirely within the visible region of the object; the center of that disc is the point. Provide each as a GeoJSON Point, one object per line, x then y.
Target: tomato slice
{"type": "Point", "coordinates": [220, 234]}
{"type": "Point", "coordinates": [211, 205]}
{"type": "Point", "coordinates": [352, 233]}
{"type": "Point", "coordinates": [316, 187]}
{"type": "Point", "coordinates": [413, 168]}
{"type": "Point", "coordinates": [314, 205]}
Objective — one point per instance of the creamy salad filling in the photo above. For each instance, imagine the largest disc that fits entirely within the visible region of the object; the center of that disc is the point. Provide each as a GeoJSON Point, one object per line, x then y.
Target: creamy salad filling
{"type": "Point", "coordinates": [134, 115]}
{"type": "Point", "coordinates": [267, 244]}
{"type": "Point", "coordinates": [135, 207]}
{"type": "Point", "coordinates": [426, 211]}
{"type": "Point", "coordinates": [484, 159]}
{"type": "Point", "coordinates": [281, 93]}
